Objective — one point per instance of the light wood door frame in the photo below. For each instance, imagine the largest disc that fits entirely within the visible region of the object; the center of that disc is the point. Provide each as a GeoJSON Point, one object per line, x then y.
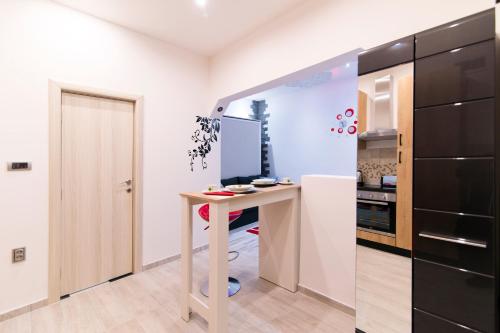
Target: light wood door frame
{"type": "Point", "coordinates": [56, 89]}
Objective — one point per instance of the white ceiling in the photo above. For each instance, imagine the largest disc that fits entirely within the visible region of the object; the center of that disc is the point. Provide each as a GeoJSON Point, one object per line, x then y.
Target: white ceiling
{"type": "Point", "coordinates": [181, 22]}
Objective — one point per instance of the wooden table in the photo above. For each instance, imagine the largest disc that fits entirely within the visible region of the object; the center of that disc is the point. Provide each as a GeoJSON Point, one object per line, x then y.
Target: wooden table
{"type": "Point", "coordinates": [279, 215]}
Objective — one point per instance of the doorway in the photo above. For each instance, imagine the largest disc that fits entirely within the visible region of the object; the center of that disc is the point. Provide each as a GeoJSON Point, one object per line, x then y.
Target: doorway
{"type": "Point", "coordinates": [95, 187]}
{"type": "Point", "coordinates": [310, 135]}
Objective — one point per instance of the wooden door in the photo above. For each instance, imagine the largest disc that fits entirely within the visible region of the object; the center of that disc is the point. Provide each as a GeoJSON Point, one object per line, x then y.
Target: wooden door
{"type": "Point", "coordinates": [404, 168]}
{"type": "Point", "coordinates": [97, 162]}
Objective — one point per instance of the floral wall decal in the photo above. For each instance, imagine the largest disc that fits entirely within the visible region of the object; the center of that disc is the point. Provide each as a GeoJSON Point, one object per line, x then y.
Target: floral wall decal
{"type": "Point", "coordinates": [204, 137]}
{"type": "Point", "coordinates": [346, 123]}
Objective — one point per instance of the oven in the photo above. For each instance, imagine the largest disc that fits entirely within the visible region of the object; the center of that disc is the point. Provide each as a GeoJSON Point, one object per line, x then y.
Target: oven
{"type": "Point", "coordinates": [376, 211]}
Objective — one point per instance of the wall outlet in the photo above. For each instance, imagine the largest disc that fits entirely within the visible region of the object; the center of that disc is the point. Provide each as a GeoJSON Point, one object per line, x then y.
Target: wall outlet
{"type": "Point", "coordinates": [18, 254]}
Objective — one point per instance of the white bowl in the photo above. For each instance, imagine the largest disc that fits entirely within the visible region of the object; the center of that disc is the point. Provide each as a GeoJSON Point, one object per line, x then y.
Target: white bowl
{"type": "Point", "coordinates": [239, 188]}
{"type": "Point", "coordinates": [264, 181]}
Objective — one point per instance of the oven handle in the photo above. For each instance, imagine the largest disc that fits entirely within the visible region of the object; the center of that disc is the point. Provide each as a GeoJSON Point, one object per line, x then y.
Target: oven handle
{"type": "Point", "coordinates": [456, 240]}
{"type": "Point", "coordinates": [381, 203]}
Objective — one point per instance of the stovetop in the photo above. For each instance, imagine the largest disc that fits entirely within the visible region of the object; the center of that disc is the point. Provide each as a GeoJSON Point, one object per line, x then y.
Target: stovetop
{"type": "Point", "coordinates": [376, 188]}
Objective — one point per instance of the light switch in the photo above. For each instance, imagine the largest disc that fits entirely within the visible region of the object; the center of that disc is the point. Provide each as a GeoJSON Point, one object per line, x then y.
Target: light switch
{"type": "Point", "coordinates": [18, 166]}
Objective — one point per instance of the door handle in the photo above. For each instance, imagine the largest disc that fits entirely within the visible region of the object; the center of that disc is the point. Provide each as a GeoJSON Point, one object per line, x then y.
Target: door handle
{"type": "Point", "coordinates": [400, 139]}
{"type": "Point", "coordinates": [399, 157]}
{"type": "Point", "coordinates": [456, 240]}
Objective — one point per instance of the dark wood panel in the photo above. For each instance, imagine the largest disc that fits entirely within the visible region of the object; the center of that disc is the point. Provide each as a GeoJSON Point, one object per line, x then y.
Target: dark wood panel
{"type": "Point", "coordinates": [459, 296]}
{"type": "Point", "coordinates": [464, 130]}
{"type": "Point", "coordinates": [465, 31]}
{"type": "Point", "coordinates": [455, 185]}
{"type": "Point", "coordinates": [455, 76]}
{"type": "Point", "coordinates": [454, 226]}
{"type": "Point", "coordinates": [391, 54]}
{"type": "Point", "coordinates": [426, 323]}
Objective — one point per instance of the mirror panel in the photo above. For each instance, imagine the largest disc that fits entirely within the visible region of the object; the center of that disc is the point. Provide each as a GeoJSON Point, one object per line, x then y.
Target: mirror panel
{"type": "Point", "coordinates": [384, 209]}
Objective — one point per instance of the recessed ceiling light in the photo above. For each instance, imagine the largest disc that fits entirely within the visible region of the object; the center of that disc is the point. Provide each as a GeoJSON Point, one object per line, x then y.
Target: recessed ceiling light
{"type": "Point", "coordinates": [201, 3]}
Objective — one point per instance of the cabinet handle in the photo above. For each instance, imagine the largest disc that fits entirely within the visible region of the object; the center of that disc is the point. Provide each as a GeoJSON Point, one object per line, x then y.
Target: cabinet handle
{"type": "Point", "coordinates": [456, 240]}
{"type": "Point", "coordinates": [380, 203]}
{"type": "Point", "coordinates": [400, 139]}
{"type": "Point", "coordinates": [399, 157]}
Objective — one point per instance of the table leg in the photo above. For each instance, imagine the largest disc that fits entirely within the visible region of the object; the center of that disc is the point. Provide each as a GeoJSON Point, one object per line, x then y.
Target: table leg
{"type": "Point", "coordinates": [186, 257]}
{"type": "Point", "coordinates": [279, 241]}
{"type": "Point", "coordinates": [218, 275]}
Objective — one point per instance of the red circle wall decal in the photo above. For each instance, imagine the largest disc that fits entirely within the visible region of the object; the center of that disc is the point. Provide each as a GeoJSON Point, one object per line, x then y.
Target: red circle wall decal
{"type": "Point", "coordinates": [351, 129]}
{"type": "Point", "coordinates": [339, 116]}
{"type": "Point", "coordinates": [349, 112]}
{"type": "Point", "coordinates": [340, 130]}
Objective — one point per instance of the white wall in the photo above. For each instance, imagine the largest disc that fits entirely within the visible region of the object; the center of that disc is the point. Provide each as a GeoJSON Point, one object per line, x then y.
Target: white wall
{"type": "Point", "coordinates": [40, 41]}
{"type": "Point", "coordinates": [240, 147]}
{"type": "Point", "coordinates": [322, 29]}
{"type": "Point", "coordinates": [328, 237]}
{"type": "Point", "coordinates": [301, 140]}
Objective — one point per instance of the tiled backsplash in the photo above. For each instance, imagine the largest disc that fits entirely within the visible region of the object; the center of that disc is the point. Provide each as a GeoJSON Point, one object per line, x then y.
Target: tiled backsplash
{"type": "Point", "coordinates": [376, 162]}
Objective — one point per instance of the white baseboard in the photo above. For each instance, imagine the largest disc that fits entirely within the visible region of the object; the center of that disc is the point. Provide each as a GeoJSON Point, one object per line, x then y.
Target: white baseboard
{"type": "Point", "coordinates": [23, 309]}
{"type": "Point", "coordinates": [325, 299]}
{"type": "Point", "coordinates": [170, 259]}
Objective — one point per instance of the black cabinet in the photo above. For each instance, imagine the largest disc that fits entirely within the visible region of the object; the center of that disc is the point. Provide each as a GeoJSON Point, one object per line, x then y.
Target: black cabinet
{"type": "Point", "coordinates": [457, 295]}
{"type": "Point", "coordinates": [459, 33]}
{"type": "Point", "coordinates": [456, 76]}
{"type": "Point", "coordinates": [455, 185]}
{"type": "Point", "coordinates": [463, 130]}
{"type": "Point", "coordinates": [387, 55]}
{"type": "Point", "coordinates": [462, 241]}
{"type": "Point", "coordinates": [427, 323]}
{"type": "Point", "coordinates": [456, 130]}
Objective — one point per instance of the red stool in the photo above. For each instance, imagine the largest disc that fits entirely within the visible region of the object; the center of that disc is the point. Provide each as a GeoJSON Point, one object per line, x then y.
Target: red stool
{"type": "Point", "coordinates": [204, 213]}
{"type": "Point", "coordinates": [233, 285]}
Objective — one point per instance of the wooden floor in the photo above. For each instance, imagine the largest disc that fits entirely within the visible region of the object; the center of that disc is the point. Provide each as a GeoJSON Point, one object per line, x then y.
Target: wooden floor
{"type": "Point", "coordinates": [149, 302]}
{"type": "Point", "coordinates": [383, 292]}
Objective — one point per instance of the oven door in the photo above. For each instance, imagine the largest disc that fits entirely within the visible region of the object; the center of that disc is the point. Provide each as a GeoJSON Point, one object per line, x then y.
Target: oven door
{"type": "Point", "coordinates": [376, 215]}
